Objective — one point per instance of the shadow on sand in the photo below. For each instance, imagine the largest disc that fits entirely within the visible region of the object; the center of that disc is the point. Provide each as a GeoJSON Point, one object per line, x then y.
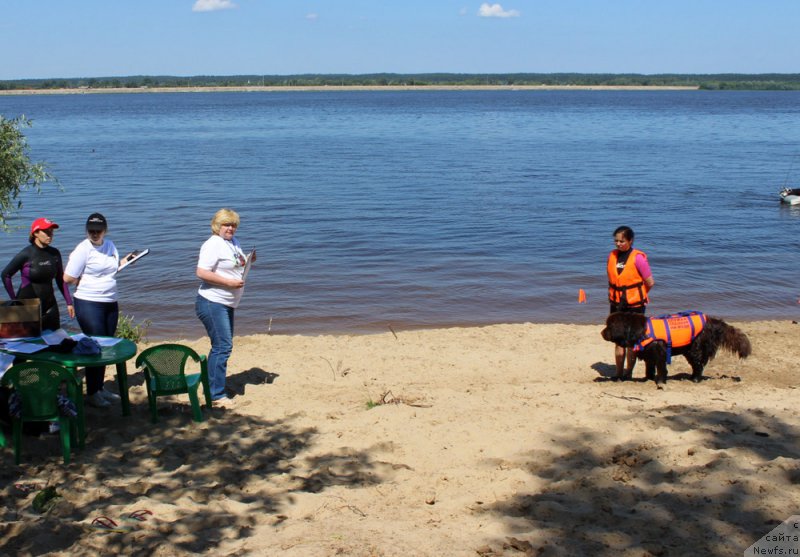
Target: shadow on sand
{"type": "Point", "coordinates": [643, 499]}
{"type": "Point", "coordinates": [223, 477]}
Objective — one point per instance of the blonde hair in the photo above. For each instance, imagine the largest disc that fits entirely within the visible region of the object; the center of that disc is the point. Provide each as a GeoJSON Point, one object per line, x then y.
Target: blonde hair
{"type": "Point", "coordinates": [224, 216]}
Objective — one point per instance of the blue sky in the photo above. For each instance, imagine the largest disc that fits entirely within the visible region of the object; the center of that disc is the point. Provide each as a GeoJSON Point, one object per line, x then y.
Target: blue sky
{"type": "Point", "coordinates": [98, 38]}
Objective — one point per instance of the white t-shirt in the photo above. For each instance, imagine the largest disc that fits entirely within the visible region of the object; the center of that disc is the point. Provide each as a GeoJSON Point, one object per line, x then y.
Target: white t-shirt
{"type": "Point", "coordinates": [96, 267]}
{"type": "Point", "coordinates": [225, 259]}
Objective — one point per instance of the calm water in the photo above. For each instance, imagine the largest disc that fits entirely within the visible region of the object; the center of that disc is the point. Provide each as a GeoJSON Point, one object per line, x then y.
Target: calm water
{"type": "Point", "coordinates": [421, 209]}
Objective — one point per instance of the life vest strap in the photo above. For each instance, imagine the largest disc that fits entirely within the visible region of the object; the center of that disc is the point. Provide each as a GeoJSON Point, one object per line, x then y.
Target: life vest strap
{"type": "Point", "coordinates": [622, 296]}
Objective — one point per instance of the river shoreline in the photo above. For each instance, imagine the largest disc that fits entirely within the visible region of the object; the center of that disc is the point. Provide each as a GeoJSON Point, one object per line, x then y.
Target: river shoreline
{"type": "Point", "coordinates": [341, 88]}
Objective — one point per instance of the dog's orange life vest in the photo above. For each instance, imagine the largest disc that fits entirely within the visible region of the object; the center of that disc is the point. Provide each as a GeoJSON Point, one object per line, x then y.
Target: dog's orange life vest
{"type": "Point", "coordinates": [676, 330]}
{"type": "Point", "coordinates": [626, 288]}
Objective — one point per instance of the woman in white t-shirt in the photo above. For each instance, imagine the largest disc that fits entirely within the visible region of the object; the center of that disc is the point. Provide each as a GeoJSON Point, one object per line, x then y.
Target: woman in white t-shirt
{"type": "Point", "coordinates": [93, 266]}
{"type": "Point", "coordinates": [221, 268]}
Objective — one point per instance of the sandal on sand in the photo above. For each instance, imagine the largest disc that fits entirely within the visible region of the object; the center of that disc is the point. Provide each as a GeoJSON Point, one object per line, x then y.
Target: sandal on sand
{"type": "Point", "coordinates": [27, 488]}
{"type": "Point", "coordinates": [140, 515]}
{"type": "Point", "coordinates": [105, 524]}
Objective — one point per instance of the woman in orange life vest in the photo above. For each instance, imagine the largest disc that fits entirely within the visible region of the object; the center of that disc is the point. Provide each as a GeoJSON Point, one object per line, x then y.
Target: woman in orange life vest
{"type": "Point", "coordinates": [629, 281]}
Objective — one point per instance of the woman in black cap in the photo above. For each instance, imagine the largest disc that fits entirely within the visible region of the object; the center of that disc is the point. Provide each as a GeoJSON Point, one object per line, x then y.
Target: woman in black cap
{"type": "Point", "coordinates": [93, 266]}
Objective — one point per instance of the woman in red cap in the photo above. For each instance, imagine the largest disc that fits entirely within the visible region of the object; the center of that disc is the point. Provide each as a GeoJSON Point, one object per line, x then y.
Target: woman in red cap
{"type": "Point", "coordinates": [39, 264]}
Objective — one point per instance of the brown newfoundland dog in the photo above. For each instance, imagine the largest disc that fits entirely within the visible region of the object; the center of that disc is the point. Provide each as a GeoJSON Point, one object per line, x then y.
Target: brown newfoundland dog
{"type": "Point", "coordinates": [645, 335]}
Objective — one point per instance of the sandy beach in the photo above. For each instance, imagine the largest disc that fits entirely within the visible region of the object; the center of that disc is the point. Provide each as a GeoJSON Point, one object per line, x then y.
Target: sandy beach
{"type": "Point", "coordinates": [499, 440]}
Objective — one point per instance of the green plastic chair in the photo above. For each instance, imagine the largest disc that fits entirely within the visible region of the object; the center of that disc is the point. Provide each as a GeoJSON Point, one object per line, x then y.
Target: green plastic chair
{"type": "Point", "coordinates": [165, 374]}
{"type": "Point", "coordinates": [38, 385]}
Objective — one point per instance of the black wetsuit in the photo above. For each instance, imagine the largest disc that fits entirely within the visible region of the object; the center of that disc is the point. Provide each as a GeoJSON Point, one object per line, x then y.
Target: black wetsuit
{"type": "Point", "coordinates": [38, 268]}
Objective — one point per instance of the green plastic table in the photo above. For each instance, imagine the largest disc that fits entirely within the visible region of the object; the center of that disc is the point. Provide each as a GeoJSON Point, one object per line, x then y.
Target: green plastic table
{"type": "Point", "coordinates": [117, 355]}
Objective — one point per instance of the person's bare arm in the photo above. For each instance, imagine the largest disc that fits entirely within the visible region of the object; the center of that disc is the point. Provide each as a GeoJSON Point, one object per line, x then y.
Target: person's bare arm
{"type": "Point", "coordinates": [213, 278]}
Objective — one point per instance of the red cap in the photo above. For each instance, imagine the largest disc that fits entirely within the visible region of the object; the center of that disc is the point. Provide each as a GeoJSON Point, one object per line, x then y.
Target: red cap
{"type": "Point", "coordinates": [42, 224]}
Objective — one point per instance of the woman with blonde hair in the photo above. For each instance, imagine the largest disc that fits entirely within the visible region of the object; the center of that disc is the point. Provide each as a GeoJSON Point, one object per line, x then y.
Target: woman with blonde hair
{"type": "Point", "coordinates": [220, 267]}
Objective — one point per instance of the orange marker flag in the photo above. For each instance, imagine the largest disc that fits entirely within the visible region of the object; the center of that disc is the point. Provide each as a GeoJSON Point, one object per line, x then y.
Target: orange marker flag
{"type": "Point", "coordinates": [581, 296]}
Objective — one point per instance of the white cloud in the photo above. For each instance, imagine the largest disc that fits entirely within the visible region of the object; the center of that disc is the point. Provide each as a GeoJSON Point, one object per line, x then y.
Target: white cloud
{"type": "Point", "coordinates": [496, 10]}
{"type": "Point", "coordinates": [312, 17]}
{"type": "Point", "coordinates": [212, 5]}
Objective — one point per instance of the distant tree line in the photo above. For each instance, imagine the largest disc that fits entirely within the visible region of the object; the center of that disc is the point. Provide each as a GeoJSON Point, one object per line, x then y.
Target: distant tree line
{"type": "Point", "coordinates": [770, 82]}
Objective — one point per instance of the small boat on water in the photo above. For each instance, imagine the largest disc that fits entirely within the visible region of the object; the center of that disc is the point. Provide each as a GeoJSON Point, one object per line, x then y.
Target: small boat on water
{"type": "Point", "coordinates": [790, 196]}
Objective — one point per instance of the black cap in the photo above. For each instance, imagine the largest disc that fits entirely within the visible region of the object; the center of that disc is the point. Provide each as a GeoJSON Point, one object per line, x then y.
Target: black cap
{"type": "Point", "coordinates": [96, 221]}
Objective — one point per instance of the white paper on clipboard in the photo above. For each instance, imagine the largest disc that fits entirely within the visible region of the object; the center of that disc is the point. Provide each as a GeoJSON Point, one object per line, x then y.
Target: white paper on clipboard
{"type": "Point", "coordinates": [248, 263]}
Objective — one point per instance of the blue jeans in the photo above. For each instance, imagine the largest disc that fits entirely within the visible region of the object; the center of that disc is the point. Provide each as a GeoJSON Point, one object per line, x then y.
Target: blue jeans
{"type": "Point", "coordinates": [96, 319]}
{"type": "Point", "coordinates": [218, 321]}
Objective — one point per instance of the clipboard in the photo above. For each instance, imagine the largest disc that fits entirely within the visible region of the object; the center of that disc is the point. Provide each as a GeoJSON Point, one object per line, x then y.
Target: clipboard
{"type": "Point", "coordinates": [248, 263]}
{"type": "Point", "coordinates": [137, 255]}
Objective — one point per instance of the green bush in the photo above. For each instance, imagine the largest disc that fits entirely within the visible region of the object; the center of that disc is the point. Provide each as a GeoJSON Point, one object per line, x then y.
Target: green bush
{"type": "Point", "coordinates": [127, 328]}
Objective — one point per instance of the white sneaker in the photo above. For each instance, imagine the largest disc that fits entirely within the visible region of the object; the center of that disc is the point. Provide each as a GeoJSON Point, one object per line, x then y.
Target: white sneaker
{"type": "Point", "coordinates": [109, 396]}
{"type": "Point", "coordinates": [97, 400]}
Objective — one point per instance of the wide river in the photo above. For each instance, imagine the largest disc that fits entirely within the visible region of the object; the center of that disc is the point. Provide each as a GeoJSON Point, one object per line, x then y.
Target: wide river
{"type": "Point", "coordinates": [428, 208]}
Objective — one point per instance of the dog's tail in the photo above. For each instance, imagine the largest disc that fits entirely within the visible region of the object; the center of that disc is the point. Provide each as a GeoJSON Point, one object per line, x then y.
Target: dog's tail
{"type": "Point", "coordinates": [735, 340]}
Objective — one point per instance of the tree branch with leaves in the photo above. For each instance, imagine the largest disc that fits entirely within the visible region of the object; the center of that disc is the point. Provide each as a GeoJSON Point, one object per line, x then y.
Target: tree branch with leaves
{"type": "Point", "coordinates": [17, 172]}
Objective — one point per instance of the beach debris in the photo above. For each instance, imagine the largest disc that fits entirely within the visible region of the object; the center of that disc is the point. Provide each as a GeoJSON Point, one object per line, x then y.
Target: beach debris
{"type": "Point", "coordinates": [338, 370]}
{"type": "Point", "coordinates": [523, 546]}
{"type": "Point", "coordinates": [388, 398]}
{"type": "Point", "coordinates": [628, 398]}
{"type": "Point", "coordinates": [27, 487]}
{"type": "Point", "coordinates": [392, 329]}
{"type": "Point", "coordinates": [46, 499]}
{"type": "Point", "coordinates": [355, 510]}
